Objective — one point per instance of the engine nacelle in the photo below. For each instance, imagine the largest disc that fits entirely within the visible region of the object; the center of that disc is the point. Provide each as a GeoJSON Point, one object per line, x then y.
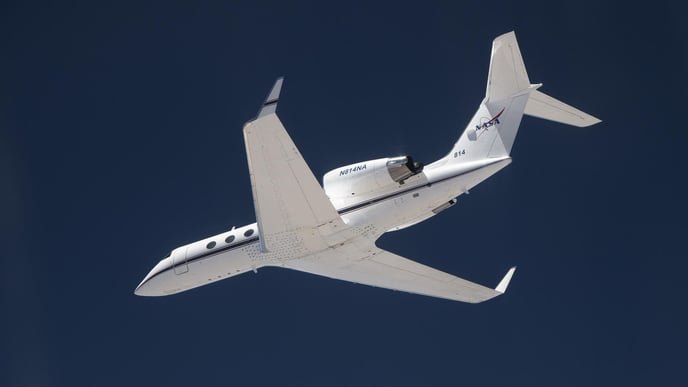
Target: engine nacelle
{"type": "Point", "coordinates": [356, 182]}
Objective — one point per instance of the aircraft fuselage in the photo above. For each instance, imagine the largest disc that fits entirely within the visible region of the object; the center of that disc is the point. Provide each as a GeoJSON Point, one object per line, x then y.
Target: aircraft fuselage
{"type": "Point", "coordinates": [238, 251]}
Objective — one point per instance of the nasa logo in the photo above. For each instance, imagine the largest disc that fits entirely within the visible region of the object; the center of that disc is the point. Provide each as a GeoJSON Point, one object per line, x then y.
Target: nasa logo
{"type": "Point", "coordinates": [491, 122]}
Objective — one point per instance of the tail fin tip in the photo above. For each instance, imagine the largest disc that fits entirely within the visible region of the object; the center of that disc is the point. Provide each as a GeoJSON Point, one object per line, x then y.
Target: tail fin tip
{"type": "Point", "coordinates": [507, 74]}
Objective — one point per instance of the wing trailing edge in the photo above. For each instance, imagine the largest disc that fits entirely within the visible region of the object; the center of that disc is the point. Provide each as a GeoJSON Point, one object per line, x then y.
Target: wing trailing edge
{"type": "Point", "coordinates": [381, 268]}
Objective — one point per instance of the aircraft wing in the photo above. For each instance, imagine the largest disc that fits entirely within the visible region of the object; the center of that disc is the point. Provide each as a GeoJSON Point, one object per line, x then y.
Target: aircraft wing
{"type": "Point", "coordinates": [381, 268]}
{"type": "Point", "coordinates": [292, 211]}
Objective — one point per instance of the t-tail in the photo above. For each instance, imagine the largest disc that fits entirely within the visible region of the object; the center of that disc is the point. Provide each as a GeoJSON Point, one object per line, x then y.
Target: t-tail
{"type": "Point", "coordinates": [509, 95]}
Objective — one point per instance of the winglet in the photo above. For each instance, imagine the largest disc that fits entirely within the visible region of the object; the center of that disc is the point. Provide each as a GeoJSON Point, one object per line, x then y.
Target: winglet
{"type": "Point", "coordinates": [505, 281]}
{"type": "Point", "coordinates": [270, 104]}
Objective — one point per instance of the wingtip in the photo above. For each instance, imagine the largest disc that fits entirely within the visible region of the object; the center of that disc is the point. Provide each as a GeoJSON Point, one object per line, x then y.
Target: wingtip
{"type": "Point", "coordinates": [587, 121]}
{"type": "Point", "coordinates": [276, 89]}
{"type": "Point", "coordinates": [504, 283]}
{"type": "Point", "coordinates": [270, 104]}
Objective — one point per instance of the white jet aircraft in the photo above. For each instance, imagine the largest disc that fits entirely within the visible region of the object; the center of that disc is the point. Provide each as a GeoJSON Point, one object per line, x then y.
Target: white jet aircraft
{"type": "Point", "coordinates": [331, 230]}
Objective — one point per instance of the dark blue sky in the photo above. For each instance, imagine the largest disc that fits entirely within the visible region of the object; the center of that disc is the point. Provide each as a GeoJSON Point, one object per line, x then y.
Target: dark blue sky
{"type": "Point", "coordinates": [120, 139]}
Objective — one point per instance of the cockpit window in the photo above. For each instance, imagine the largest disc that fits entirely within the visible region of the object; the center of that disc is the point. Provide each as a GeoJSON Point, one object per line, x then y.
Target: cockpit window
{"type": "Point", "coordinates": [229, 239]}
{"type": "Point", "coordinates": [248, 232]}
{"type": "Point", "coordinates": [210, 245]}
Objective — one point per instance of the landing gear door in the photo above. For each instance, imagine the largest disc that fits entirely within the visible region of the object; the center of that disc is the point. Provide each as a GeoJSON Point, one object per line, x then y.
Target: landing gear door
{"type": "Point", "coordinates": [179, 261]}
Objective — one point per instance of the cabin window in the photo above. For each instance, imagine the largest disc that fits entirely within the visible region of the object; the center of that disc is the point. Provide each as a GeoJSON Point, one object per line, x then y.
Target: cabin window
{"type": "Point", "coordinates": [210, 245]}
{"type": "Point", "coordinates": [248, 232]}
{"type": "Point", "coordinates": [229, 239]}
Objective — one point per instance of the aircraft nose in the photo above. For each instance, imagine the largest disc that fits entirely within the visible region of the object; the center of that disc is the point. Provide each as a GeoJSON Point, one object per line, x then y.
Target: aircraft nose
{"type": "Point", "coordinates": [143, 289]}
{"type": "Point", "coordinates": [150, 288]}
{"type": "Point", "coordinates": [153, 284]}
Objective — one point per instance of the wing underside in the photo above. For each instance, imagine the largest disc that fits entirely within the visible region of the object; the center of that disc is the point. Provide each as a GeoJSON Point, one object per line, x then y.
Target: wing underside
{"type": "Point", "coordinates": [381, 268]}
{"type": "Point", "coordinates": [292, 210]}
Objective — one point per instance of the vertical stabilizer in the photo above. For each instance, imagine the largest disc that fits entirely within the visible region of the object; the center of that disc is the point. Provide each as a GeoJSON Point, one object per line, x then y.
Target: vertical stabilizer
{"type": "Point", "coordinates": [507, 74]}
{"type": "Point", "coordinates": [492, 130]}
{"type": "Point", "coordinates": [509, 94]}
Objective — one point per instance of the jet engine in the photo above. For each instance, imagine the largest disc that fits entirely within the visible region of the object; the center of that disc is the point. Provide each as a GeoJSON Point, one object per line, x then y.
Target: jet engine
{"type": "Point", "coordinates": [355, 182]}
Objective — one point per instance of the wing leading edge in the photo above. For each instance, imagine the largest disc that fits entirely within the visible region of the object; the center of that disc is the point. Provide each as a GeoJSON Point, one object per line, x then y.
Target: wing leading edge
{"type": "Point", "coordinates": [384, 269]}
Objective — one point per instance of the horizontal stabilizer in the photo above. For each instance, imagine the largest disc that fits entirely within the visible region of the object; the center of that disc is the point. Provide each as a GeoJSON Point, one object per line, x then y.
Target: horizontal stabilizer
{"type": "Point", "coordinates": [543, 106]}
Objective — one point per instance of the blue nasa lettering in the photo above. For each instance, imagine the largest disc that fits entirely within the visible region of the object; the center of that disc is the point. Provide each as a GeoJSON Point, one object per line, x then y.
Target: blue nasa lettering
{"type": "Point", "coordinates": [487, 124]}
{"type": "Point", "coordinates": [351, 170]}
{"type": "Point", "coordinates": [491, 122]}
